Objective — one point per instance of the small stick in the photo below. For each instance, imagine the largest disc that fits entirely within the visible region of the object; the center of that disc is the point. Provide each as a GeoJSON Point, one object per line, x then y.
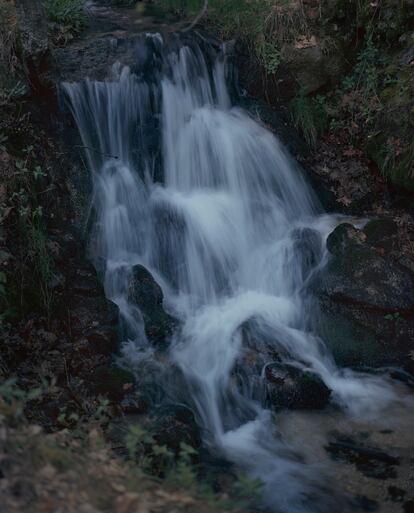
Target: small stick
{"type": "Point", "coordinates": [198, 17]}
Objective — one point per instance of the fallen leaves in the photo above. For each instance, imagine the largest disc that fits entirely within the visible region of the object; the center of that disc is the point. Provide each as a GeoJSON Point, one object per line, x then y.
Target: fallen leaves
{"type": "Point", "coordinates": [305, 42]}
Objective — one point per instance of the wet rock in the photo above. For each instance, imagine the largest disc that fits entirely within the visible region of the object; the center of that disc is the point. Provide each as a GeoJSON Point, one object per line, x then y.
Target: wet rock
{"type": "Point", "coordinates": [173, 425]}
{"type": "Point", "coordinates": [289, 387]}
{"type": "Point", "coordinates": [360, 274]}
{"type": "Point", "coordinates": [93, 57]}
{"type": "Point", "coordinates": [370, 461]}
{"type": "Point", "coordinates": [148, 296]}
{"type": "Point", "coordinates": [308, 250]}
{"type": "Point", "coordinates": [366, 298]}
{"type": "Point", "coordinates": [112, 381]}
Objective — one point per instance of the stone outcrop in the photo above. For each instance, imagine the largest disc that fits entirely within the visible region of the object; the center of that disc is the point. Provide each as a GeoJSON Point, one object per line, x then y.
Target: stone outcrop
{"type": "Point", "coordinates": [367, 297]}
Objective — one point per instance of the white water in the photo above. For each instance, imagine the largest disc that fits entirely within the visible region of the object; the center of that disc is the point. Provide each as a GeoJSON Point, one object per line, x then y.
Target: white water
{"type": "Point", "coordinates": [220, 232]}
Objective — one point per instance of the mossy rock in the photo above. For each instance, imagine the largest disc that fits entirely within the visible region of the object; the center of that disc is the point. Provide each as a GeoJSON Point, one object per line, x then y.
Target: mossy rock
{"type": "Point", "coordinates": [112, 381]}
{"type": "Point", "coordinates": [351, 344]}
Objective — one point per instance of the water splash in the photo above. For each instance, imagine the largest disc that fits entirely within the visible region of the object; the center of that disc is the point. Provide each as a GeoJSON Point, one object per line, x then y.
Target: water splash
{"type": "Point", "coordinates": [223, 220]}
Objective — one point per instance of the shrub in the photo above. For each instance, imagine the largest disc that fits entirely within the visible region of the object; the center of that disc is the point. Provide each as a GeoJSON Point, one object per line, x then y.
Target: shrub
{"type": "Point", "coordinates": [65, 12]}
{"type": "Point", "coordinates": [309, 116]}
{"type": "Point", "coordinates": [67, 18]}
{"type": "Point", "coordinates": [365, 75]}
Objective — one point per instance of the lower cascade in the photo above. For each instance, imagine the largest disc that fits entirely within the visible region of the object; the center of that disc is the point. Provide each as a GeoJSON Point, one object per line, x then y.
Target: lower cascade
{"type": "Point", "coordinates": [192, 188]}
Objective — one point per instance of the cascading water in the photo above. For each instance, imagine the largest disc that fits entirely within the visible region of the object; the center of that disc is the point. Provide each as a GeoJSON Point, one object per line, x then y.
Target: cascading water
{"type": "Point", "coordinates": [221, 220]}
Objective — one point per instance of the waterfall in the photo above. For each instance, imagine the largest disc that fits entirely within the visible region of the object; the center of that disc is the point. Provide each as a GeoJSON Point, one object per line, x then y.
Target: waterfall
{"type": "Point", "coordinates": [205, 197]}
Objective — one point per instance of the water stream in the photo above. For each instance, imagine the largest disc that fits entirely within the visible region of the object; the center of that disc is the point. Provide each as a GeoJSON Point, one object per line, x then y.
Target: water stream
{"type": "Point", "coordinates": [205, 197]}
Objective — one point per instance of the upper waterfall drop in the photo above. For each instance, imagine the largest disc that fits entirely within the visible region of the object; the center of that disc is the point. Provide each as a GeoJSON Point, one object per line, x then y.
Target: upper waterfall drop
{"type": "Point", "coordinates": [204, 196]}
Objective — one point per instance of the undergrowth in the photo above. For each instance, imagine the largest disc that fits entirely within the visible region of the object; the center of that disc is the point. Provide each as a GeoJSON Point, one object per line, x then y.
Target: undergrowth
{"type": "Point", "coordinates": [67, 18]}
{"type": "Point", "coordinates": [10, 86]}
{"type": "Point", "coordinates": [309, 116]}
{"type": "Point", "coordinates": [80, 456]}
{"type": "Point", "coordinates": [24, 190]}
{"type": "Point", "coordinates": [264, 26]}
{"type": "Point", "coordinates": [66, 12]}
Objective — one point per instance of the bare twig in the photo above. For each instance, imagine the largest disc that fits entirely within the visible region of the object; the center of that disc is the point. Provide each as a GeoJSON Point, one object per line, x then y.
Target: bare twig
{"type": "Point", "coordinates": [200, 15]}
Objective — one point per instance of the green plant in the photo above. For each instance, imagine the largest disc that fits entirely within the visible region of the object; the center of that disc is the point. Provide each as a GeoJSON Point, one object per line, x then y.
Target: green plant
{"type": "Point", "coordinates": [392, 317]}
{"type": "Point", "coordinates": [102, 411]}
{"type": "Point", "coordinates": [32, 284]}
{"type": "Point", "coordinates": [13, 399]}
{"type": "Point", "coordinates": [365, 75]}
{"type": "Point", "coordinates": [309, 116]}
{"type": "Point", "coordinates": [184, 473]}
{"type": "Point", "coordinates": [135, 441]}
{"type": "Point", "coordinates": [246, 490]}
{"type": "Point", "coordinates": [66, 12]}
{"type": "Point", "coordinates": [67, 18]}
{"type": "Point", "coordinates": [269, 55]}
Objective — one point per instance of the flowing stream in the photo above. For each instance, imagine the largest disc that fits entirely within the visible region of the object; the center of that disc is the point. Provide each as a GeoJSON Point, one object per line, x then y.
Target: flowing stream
{"type": "Point", "coordinates": [205, 197]}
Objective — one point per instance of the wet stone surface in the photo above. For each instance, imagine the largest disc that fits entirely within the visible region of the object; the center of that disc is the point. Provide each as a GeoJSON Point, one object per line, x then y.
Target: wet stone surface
{"type": "Point", "coordinates": [289, 387]}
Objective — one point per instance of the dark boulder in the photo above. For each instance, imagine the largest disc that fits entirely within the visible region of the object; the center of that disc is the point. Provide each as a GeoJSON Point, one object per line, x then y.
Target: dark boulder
{"type": "Point", "coordinates": [359, 274]}
{"type": "Point", "coordinates": [290, 387]}
{"type": "Point", "coordinates": [145, 292]}
{"type": "Point", "coordinates": [366, 297]}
